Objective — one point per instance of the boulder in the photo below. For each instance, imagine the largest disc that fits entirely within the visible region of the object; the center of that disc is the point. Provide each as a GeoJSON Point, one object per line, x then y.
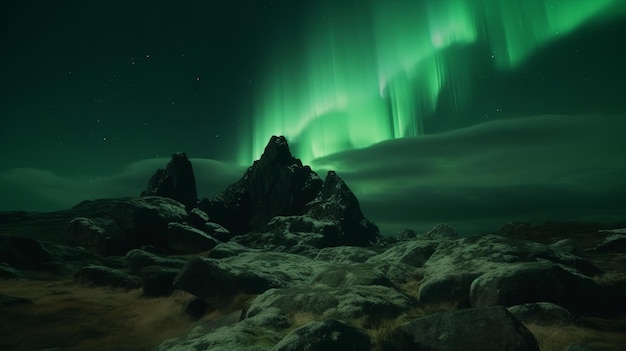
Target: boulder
{"type": "Point", "coordinates": [536, 282]}
{"type": "Point", "coordinates": [196, 217]}
{"type": "Point", "coordinates": [346, 275]}
{"type": "Point", "coordinates": [406, 234]}
{"type": "Point", "coordinates": [413, 253]}
{"type": "Point", "coordinates": [345, 254]}
{"type": "Point", "coordinates": [483, 329]}
{"type": "Point", "coordinates": [144, 220]}
{"type": "Point", "coordinates": [329, 335]}
{"type": "Point", "coordinates": [176, 181]}
{"type": "Point", "coordinates": [543, 313]}
{"type": "Point", "coordinates": [200, 220]}
{"type": "Point", "coordinates": [8, 272]}
{"type": "Point", "coordinates": [185, 239]}
{"type": "Point", "coordinates": [158, 281]}
{"type": "Point", "coordinates": [93, 233]}
{"type": "Point", "coordinates": [368, 302]}
{"type": "Point", "coordinates": [481, 254]}
{"type": "Point", "coordinates": [26, 253]}
{"type": "Point", "coordinates": [227, 333]}
{"type": "Point", "coordinates": [216, 231]}
{"type": "Point", "coordinates": [229, 249]}
{"type": "Point", "coordinates": [105, 276]}
{"type": "Point", "coordinates": [449, 288]}
{"type": "Point", "coordinates": [137, 259]}
{"type": "Point", "coordinates": [338, 204]}
{"type": "Point", "coordinates": [614, 242]}
{"type": "Point", "coordinates": [288, 234]}
{"type": "Point", "coordinates": [441, 231]}
{"type": "Point", "coordinates": [218, 283]}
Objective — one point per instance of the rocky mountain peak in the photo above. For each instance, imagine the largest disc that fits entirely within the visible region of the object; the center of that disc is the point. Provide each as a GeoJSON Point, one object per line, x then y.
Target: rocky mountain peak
{"type": "Point", "coordinates": [277, 152]}
{"type": "Point", "coordinates": [278, 185]}
{"type": "Point", "coordinates": [175, 181]}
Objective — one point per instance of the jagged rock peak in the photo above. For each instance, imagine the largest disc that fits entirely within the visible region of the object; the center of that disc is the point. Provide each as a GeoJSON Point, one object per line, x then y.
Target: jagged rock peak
{"type": "Point", "coordinates": [176, 181]}
{"type": "Point", "coordinates": [277, 151]}
{"type": "Point", "coordinates": [275, 185]}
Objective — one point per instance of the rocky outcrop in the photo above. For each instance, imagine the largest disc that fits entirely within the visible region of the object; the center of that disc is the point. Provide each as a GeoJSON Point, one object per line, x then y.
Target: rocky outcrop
{"type": "Point", "coordinates": [139, 259]}
{"type": "Point", "coordinates": [93, 233]}
{"type": "Point", "coordinates": [144, 221]}
{"type": "Point", "coordinates": [439, 232]}
{"type": "Point", "coordinates": [158, 281]}
{"type": "Point", "coordinates": [450, 288]}
{"type": "Point", "coordinates": [535, 282]}
{"type": "Point", "coordinates": [337, 204]}
{"type": "Point", "coordinates": [276, 184]}
{"type": "Point", "coordinates": [175, 181]}
{"type": "Point", "coordinates": [413, 253]}
{"type": "Point", "coordinates": [25, 253]}
{"type": "Point", "coordinates": [542, 313]}
{"type": "Point", "coordinates": [157, 273]}
{"type": "Point", "coordinates": [185, 239]}
{"type": "Point", "coordinates": [279, 195]}
{"type": "Point", "coordinates": [370, 303]}
{"type": "Point", "coordinates": [8, 272]}
{"type": "Point", "coordinates": [474, 329]}
{"type": "Point", "coordinates": [329, 335]}
{"type": "Point", "coordinates": [218, 283]}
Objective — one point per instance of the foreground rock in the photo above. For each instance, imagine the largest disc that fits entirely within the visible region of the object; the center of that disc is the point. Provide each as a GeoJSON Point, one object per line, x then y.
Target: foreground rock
{"type": "Point", "coordinates": [543, 313]}
{"type": "Point", "coordinates": [370, 303]}
{"type": "Point", "coordinates": [535, 282]}
{"type": "Point", "coordinates": [185, 239]}
{"type": "Point", "coordinates": [473, 329]}
{"type": "Point", "coordinates": [127, 224]}
{"type": "Point", "coordinates": [330, 335]}
{"type": "Point", "coordinates": [493, 270]}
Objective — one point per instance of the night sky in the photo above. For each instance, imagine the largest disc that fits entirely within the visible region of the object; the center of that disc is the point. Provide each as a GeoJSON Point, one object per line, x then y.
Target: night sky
{"type": "Point", "coordinates": [473, 113]}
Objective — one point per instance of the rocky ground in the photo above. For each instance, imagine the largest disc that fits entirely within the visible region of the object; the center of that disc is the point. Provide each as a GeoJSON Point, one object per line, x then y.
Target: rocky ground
{"type": "Point", "coordinates": [283, 260]}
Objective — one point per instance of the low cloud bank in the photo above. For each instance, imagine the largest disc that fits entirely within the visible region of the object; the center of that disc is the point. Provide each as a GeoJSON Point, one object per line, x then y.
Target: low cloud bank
{"type": "Point", "coordinates": [32, 189]}
{"type": "Point", "coordinates": [539, 168]}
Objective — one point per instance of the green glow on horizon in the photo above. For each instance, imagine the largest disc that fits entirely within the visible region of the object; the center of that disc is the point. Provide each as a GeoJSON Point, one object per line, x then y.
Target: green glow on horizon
{"type": "Point", "coordinates": [373, 70]}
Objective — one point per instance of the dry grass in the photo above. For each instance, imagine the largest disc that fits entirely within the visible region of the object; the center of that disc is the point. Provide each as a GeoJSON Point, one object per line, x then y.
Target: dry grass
{"type": "Point", "coordinates": [71, 316]}
{"type": "Point", "coordinates": [242, 301]}
{"type": "Point", "coordinates": [301, 318]}
{"type": "Point", "coordinates": [560, 338]}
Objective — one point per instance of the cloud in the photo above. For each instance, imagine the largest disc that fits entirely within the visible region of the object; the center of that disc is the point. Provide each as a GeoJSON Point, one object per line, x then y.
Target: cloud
{"type": "Point", "coordinates": [537, 168]}
{"type": "Point", "coordinates": [34, 189]}
{"type": "Point", "coordinates": [551, 167]}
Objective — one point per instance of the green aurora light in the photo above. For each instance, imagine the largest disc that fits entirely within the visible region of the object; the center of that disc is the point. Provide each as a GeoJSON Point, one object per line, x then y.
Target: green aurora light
{"type": "Point", "coordinates": [373, 70]}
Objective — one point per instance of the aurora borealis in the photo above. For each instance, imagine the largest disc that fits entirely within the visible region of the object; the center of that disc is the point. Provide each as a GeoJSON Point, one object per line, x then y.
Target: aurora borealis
{"type": "Point", "coordinates": [376, 70]}
{"type": "Point", "coordinates": [470, 112]}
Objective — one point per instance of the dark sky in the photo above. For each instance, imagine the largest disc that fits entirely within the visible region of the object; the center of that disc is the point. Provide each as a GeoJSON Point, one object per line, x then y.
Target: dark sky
{"type": "Point", "coordinates": [128, 80]}
{"type": "Point", "coordinates": [95, 95]}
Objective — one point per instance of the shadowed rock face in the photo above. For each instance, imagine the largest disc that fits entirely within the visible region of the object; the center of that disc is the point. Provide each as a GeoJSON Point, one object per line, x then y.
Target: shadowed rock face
{"type": "Point", "coordinates": [278, 194]}
{"type": "Point", "coordinates": [474, 329]}
{"type": "Point", "coordinates": [276, 184]}
{"type": "Point", "coordinates": [176, 181]}
{"type": "Point", "coordinates": [337, 203]}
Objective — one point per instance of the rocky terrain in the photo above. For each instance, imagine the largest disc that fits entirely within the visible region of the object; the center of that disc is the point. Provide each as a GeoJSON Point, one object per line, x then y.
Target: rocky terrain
{"type": "Point", "coordinates": [285, 260]}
